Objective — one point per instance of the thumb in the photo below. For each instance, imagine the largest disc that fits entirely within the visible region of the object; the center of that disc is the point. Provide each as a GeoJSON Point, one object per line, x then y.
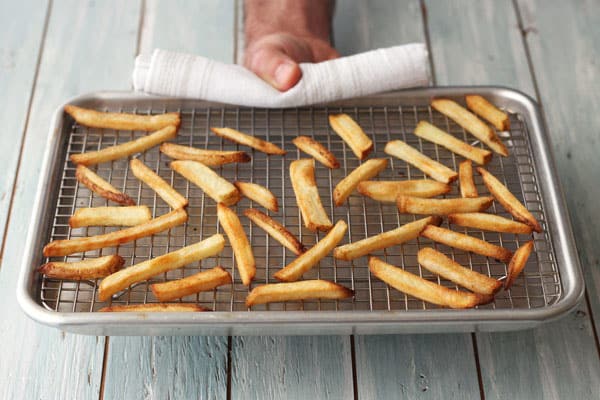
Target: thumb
{"type": "Point", "coordinates": [275, 67]}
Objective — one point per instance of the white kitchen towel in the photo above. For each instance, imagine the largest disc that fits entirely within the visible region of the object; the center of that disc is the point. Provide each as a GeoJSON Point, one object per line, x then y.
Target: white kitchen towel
{"type": "Point", "coordinates": [186, 75]}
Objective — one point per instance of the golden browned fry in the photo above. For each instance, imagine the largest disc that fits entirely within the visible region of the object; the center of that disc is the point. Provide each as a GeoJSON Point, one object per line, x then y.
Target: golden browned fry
{"type": "Point", "coordinates": [317, 151]}
{"type": "Point", "coordinates": [394, 237]}
{"type": "Point", "coordinates": [259, 194]}
{"type": "Point", "coordinates": [145, 270]}
{"type": "Point", "coordinates": [303, 290]}
{"type": "Point", "coordinates": [489, 222]}
{"type": "Point", "coordinates": [294, 270]}
{"type": "Point", "coordinates": [276, 230]}
{"type": "Point", "coordinates": [423, 289]}
{"type": "Point", "coordinates": [302, 173]}
{"type": "Point", "coordinates": [101, 187]}
{"type": "Point", "coordinates": [508, 200]}
{"type": "Point", "coordinates": [465, 177]}
{"type": "Point", "coordinates": [388, 191]}
{"type": "Point", "coordinates": [439, 264]}
{"type": "Point", "coordinates": [488, 111]}
{"type": "Point", "coordinates": [86, 269]}
{"type": "Point", "coordinates": [125, 149]}
{"type": "Point", "coordinates": [200, 282]}
{"type": "Point", "coordinates": [247, 140]}
{"type": "Point", "coordinates": [414, 157]}
{"type": "Point", "coordinates": [158, 184]}
{"type": "Point", "coordinates": [170, 307]}
{"type": "Point", "coordinates": [466, 242]}
{"type": "Point", "coordinates": [517, 263]}
{"type": "Point", "coordinates": [419, 205]}
{"type": "Point", "coordinates": [216, 187]}
{"type": "Point", "coordinates": [212, 158]}
{"type": "Point", "coordinates": [110, 216]}
{"type": "Point", "coordinates": [83, 244]}
{"type": "Point", "coordinates": [244, 258]}
{"type": "Point", "coordinates": [363, 172]}
{"type": "Point", "coordinates": [471, 123]}
{"type": "Point", "coordinates": [110, 120]}
{"type": "Point", "coordinates": [352, 134]}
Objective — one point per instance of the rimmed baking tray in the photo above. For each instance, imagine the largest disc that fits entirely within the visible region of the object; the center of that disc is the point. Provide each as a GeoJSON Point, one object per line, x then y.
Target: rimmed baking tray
{"type": "Point", "coordinates": [550, 286]}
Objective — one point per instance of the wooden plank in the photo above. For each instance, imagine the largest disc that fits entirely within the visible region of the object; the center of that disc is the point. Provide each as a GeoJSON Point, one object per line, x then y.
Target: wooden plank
{"type": "Point", "coordinates": [40, 362]}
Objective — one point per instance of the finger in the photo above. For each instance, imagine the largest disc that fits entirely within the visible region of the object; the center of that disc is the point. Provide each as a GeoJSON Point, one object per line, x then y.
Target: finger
{"type": "Point", "coordinates": [275, 67]}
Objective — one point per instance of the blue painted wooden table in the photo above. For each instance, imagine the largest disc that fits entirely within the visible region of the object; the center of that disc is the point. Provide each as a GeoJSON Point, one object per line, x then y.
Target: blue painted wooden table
{"type": "Point", "coordinates": [52, 50]}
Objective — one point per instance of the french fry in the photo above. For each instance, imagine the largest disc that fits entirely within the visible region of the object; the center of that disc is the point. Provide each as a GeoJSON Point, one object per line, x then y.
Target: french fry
{"type": "Point", "coordinates": [81, 270]}
{"type": "Point", "coordinates": [302, 173]}
{"type": "Point", "coordinates": [101, 187]}
{"type": "Point", "coordinates": [212, 158]}
{"type": "Point", "coordinates": [518, 263]}
{"type": "Point", "coordinates": [145, 270]}
{"type": "Point", "coordinates": [110, 216]}
{"type": "Point", "coordinates": [170, 307]}
{"type": "Point", "coordinates": [244, 258]}
{"type": "Point", "coordinates": [471, 123]}
{"type": "Point", "coordinates": [388, 191]}
{"type": "Point", "coordinates": [465, 178]}
{"type": "Point", "coordinates": [419, 205]}
{"type": "Point", "coordinates": [414, 157]}
{"type": "Point", "coordinates": [200, 282]}
{"type": "Point", "coordinates": [217, 188]}
{"type": "Point", "coordinates": [303, 290]}
{"type": "Point", "coordinates": [488, 111]}
{"type": "Point", "coordinates": [489, 222]}
{"type": "Point", "coordinates": [111, 120]}
{"type": "Point", "coordinates": [158, 184]}
{"type": "Point", "coordinates": [363, 172]}
{"type": "Point", "coordinates": [423, 289]}
{"type": "Point", "coordinates": [276, 230]}
{"type": "Point", "coordinates": [352, 134]}
{"type": "Point", "coordinates": [317, 151]}
{"type": "Point", "coordinates": [294, 270]}
{"type": "Point", "coordinates": [466, 242]}
{"type": "Point", "coordinates": [125, 149]}
{"type": "Point", "coordinates": [394, 237]}
{"type": "Point", "coordinates": [429, 132]}
{"type": "Point", "coordinates": [508, 200]}
{"type": "Point", "coordinates": [247, 140]}
{"type": "Point", "coordinates": [439, 264]}
{"type": "Point", "coordinates": [111, 239]}
{"type": "Point", "coordinates": [259, 194]}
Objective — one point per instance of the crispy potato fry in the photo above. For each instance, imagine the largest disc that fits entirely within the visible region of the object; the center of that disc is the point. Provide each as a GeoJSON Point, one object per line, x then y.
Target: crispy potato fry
{"type": "Point", "coordinates": [508, 200]}
{"type": "Point", "coordinates": [423, 289]}
{"type": "Point", "coordinates": [363, 172]}
{"type": "Point", "coordinates": [429, 132]}
{"type": "Point", "coordinates": [488, 111]}
{"type": "Point", "coordinates": [394, 237]}
{"type": "Point", "coordinates": [276, 230]}
{"type": "Point", "coordinates": [200, 282]}
{"type": "Point", "coordinates": [302, 173]}
{"type": "Point", "coordinates": [517, 263]}
{"type": "Point", "coordinates": [489, 222]}
{"type": "Point", "coordinates": [466, 242]}
{"type": "Point", "coordinates": [419, 205]}
{"type": "Point", "coordinates": [244, 258]}
{"type": "Point", "coordinates": [110, 216]}
{"type": "Point", "coordinates": [352, 134]}
{"type": "Point", "coordinates": [169, 307]}
{"type": "Point", "coordinates": [212, 158]}
{"type": "Point", "coordinates": [247, 140]}
{"type": "Point", "coordinates": [217, 188]}
{"type": "Point", "coordinates": [439, 264]}
{"type": "Point", "coordinates": [83, 244]}
{"type": "Point", "coordinates": [110, 120]}
{"type": "Point", "coordinates": [259, 194]}
{"type": "Point", "coordinates": [101, 187]}
{"type": "Point", "coordinates": [414, 157]}
{"type": "Point", "coordinates": [158, 184]}
{"type": "Point", "coordinates": [465, 177]}
{"type": "Point", "coordinates": [86, 269]}
{"type": "Point", "coordinates": [317, 151]}
{"type": "Point", "coordinates": [125, 149]}
{"type": "Point", "coordinates": [294, 270]}
{"type": "Point", "coordinates": [145, 270]}
{"type": "Point", "coordinates": [388, 191]}
{"type": "Point", "coordinates": [303, 290]}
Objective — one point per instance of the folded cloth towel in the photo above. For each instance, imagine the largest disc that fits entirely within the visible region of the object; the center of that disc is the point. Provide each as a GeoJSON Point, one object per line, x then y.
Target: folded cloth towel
{"type": "Point", "coordinates": [184, 75]}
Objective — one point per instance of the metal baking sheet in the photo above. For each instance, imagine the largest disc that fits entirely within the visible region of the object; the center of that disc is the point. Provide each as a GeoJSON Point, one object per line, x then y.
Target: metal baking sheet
{"type": "Point", "coordinates": [550, 285]}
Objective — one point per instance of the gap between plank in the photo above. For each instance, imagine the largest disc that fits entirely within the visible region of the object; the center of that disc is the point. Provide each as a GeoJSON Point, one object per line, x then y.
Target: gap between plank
{"type": "Point", "coordinates": [104, 362]}
{"type": "Point", "coordinates": [478, 366]}
{"type": "Point", "coordinates": [229, 346]}
{"type": "Point", "coordinates": [432, 74]}
{"type": "Point", "coordinates": [354, 374]}
{"type": "Point", "coordinates": [140, 27]}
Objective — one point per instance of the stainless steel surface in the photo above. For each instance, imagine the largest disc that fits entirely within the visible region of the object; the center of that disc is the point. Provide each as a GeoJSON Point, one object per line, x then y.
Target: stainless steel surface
{"type": "Point", "coordinates": [550, 285]}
